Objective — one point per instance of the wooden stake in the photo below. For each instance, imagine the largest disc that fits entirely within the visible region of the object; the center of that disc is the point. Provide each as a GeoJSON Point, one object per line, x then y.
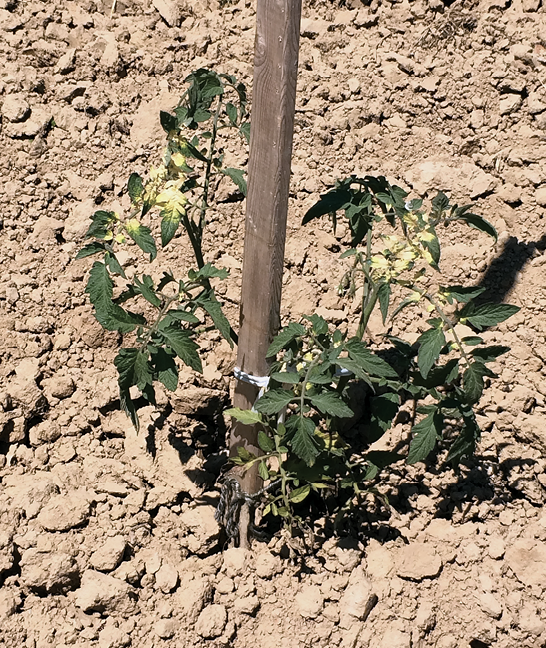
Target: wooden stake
{"type": "Point", "coordinates": [273, 106]}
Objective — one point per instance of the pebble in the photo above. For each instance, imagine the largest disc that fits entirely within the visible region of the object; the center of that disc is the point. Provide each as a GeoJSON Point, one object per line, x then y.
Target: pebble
{"type": "Point", "coordinates": [309, 602]}
{"type": "Point", "coordinates": [15, 108]}
{"type": "Point", "coordinates": [64, 512]}
{"type": "Point", "coordinates": [211, 621]}
{"type": "Point", "coordinates": [102, 593]}
{"type": "Point", "coordinates": [50, 572]}
{"type": "Point", "coordinates": [109, 556]}
{"type": "Point", "coordinates": [417, 561]}
{"type": "Point", "coordinates": [166, 578]}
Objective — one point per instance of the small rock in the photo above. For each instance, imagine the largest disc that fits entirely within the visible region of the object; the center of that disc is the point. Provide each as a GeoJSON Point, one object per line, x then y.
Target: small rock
{"type": "Point", "coordinates": [59, 386]}
{"type": "Point", "coordinates": [48, 572]}
{"type": "Point", "coordinates": [225, 585]}
{"type": "Point", "coordinates": [193, 400]}
{"type": "Point", "coordinates": [113, 637]}
{"type": "Point", "coordinates": [9, 602]}
{"type": "Point", "coordinates": [395, 639]}
{"type": "Point", "coordinates": [267, 565]}
{"type": "Point", "coordinates": [510, 103]}
{"type": "Point", "coordinates": [417, 561]}
{"type": "Point", "coordinates": [169, 10]}
{"type": "Point", "coordinates": [28, 394]}
{"type": "Point", "coordinates": [211, 621]}
{"type": "Point", "coordinates": [527, 559]}
{"type": "Point", "coordinates": [234, 561]}
{"type": "Point", "coordinates": [540, 196]}
{"type": "Point", "coordinates": [247, 604]}
{"type": "Point", "coordinates": [166, 578]}
{"type": "Point", "coordinates": [66, 63]}
{"type": "Point", "coordinates": [28, 369]}
{"type": "Point", "coordinates": [165, 628]}
{"type": "Point", "coordinates": [45, 432]}
{"type": "Point", "coordinates": [309, 602]}
{"type": "Point", "coordinates": [192, 598]}
{"type": "Point", "coordinates": [490, 605]}
{"type": "Point", "coordinates": [358, 599]}
{"type": "Point", "coordinates": [109, 556]}
{"type": "Point", "coordinates": [15, 108]}
{"type": "Point", "coordinates": [496, 547]}
{"type": "Point", "coordinates": [529, 621]}
{"type": "Point", "coordinates": [64, 512]}
{"type": "Point", "coordinates": [102, 593]}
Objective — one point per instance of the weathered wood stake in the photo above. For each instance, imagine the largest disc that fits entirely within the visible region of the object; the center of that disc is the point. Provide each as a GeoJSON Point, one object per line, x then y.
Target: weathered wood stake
{"type": "Point", "coordinates": [273, 105]}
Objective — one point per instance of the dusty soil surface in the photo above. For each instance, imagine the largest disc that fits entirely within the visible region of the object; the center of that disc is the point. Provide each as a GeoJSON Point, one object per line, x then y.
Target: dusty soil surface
{"type": "Point", "coordinates": [107, 538]}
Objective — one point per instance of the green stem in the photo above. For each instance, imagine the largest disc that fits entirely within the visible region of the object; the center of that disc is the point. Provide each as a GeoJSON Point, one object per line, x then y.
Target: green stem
{"type": "Point", "coordinates": [450, 325]}
{"type": "Point", "coordinates": [152, 329]}
{"type": "Point", "coordinates": [367, 308]}
{"type": "Point", "coordinates": [208, 170]}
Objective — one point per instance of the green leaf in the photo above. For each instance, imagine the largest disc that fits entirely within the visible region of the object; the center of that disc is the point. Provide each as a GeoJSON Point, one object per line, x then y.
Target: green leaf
{"type": "Point", "coordinates": [113, 264]}
{"type": "Point", "coordinates": [135, 188]}
{"type": "Point", "coordinates": [473, 381]}
{"type": "Point", "coordinates": [183, 345]}
{"type": "Point", "coordinates": [479, 223]}
{"type": "Point", "coordinates": [383, 458]}
{"type": "Point", "coordinates": [433, 246]}
{"type": "Point", "coordinates": [273, 401]}
{"type": "Point", "coordinates": [244, 454]}
{"type": "Point", "coordinates": [384, 295]}
{"type": "Point", "coordinates": [430, 343]}
{"type": "Point", "coordinates": [263, 471]}
{"type": "Point", "coordinates": [189, 150]}
{"type": "Point", "coordinates": [462, 294]}
{"type": "Point", "coordinates": [213, 307]}
{"type": "Point", "coordinates": [299, 494]}
{"type": "Point", "coordinates": [168, 121]}
{"type": "Point", "coordinates": [145, 287]}
{"type": "Point", "coordinates": [328, 203]}
{"type": "Point", "coordinates": [289, 377]}
{"type": "Point", "coordinates": [91, 248]}
{"type": "Point", "coordinates": [266, 443]}
{"type": "Point", "coordinates": [320, 325]}
{"type": "Point", "coordinates": [425, 433]}
{"type": "Point", "coordinates": [170, 221]}
{"type": "Point", "coordinates": [472, 340]}
{"type": "Point", "coordinates": [142, 236]}
{"type": "Point", "coordinates": [244, 129]}
{"type": "Point", "coordinates": [283, 339]}
{"type": "Point", "coordinates": [370, 362]}
{"type": "Point", "coordinates": [490, 353]}
{"type": "Point", "coordinates": [488, 314]}
{"type": "Point", "coordinates": [465, 443]}
{"type": "Point", "coordinates": [101, 221]}
{"type": "Point", "coordinates": [208, 271]}
{"type": "Point", "coordinates": [238, 177]}
{"type": "Point", "coordinates": [330, 403]}
{"type": "Point", "coordinates": [440, 202]}
{"type": "Point", "coordinates": [165, 368]}
{"type": "Point", "coordinates": [176, 315]}
{"type": "Point", "coordinates": [128, 407]}
{"type": "Point", "coordinates": [303, 440]}
{"type": "Point", "coordinates": [231, 111]}
{"type": "Point", "coordinates": [246, 417]}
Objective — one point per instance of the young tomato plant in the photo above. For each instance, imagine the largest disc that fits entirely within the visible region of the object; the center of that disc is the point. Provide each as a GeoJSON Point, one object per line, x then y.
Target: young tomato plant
{"type": "Point", "coordinates": [170, 312]}
{"type": "Point", "coordinates": [305, 411]}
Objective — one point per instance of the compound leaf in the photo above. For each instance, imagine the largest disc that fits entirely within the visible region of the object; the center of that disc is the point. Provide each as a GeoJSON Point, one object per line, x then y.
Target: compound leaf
{"type": "Point", "coordinates": [213, 307]}
{"type": "Point", "coordinates": [274, 401]}
{"type": "Point", "coordinates": [142, 236]}
{"type": "Point", "coordinates": [371, 363]}
{"type": "Point", "coordinates": [238, 177]}
{"type": "Point", "coordinates": [332, 404]}
{"type": "Point", "coordinates": [488, 314]}
{"type": "Point", "coordinates": [182, 343]}
{"type": "Point", "coordinates": [303, 441]}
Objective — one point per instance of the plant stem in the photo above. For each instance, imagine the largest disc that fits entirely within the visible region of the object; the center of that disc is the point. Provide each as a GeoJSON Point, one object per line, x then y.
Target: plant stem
{"type": "Point", "coordinates": [208, 170]}
{"type": "Point", "coordinates": [450, 324]}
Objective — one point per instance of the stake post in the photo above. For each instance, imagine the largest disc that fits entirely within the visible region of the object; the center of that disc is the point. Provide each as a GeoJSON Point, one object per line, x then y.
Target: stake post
{"type": "Point", "coordinates": [273, 104]}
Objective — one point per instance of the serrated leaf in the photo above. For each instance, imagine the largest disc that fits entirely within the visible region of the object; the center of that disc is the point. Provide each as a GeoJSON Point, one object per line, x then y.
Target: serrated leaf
{"type": "Point", "coordinates": [142, 236]}
{"type": "Point", "coordinates": [91, 248]}
{"type": "Point", "coordinates": [168, 121]}
{"type": "Point", "coordinates": [320, 325]}
{"type": "Point", "coordinates": [263, 471]}
{"type": "Point", "coordinates": [328, 203]}
{"type": "Point", "coordinates": [182, 343]}
{"type": "Point", "coordinates": [129, 408]}
{"type": "Point", "coordinates": [101, 221]}
{"type": "Point", "coordinates": [286, 335]}
{"type": "Point", "coordinates": [479, 223]}
{"type": "Point", "coordinates": [299, 494]}
{"type": "Point", "coordinates": [135, 187]}
{"type": "Point", "coordinates": [303, 441]}
{"type": "Point", "coordinates": [384, 295]}
{"type": "Point", "coordinates": [238, 177]}
{"type": "Point", "coordinates": [266, 443]}
{"type": "Point", "coordinates": [244, 129]}
{"type": "Point", "coordinates": [473, 381]}
{"type": "Point", "coordinates": [165, 367]}
{"type": "Point", "coordinates": [330, 403]}
{"type": "Point", "coordinates": [176, 315]}
{"type": "Point", "coordinates": [145, 287]}
{"type": "Point", "coordinates": [430, 343]}
{"type": "Point", "coordinates": [244, 454]}
{"type": "Point", "coordinates": [208, 271]}
{"type": "Point", "coordinates": [462, 294]}
{"type": "Point", "coordinates": [440, 202]}
{"type": "Point", "coordinates": [231, 111]}
{"type": "Point", "coordinates": [465, 443]}
{"type": "Point", "coordinates": [425, 433]}
{"type": "Point", "coordinates": [489, 314]}
{"type": "Point", "coordinates": [273, 401]}
{"type": "Point", "coordinates": [170, 221]}
{"type": "Point", "coordinates": [490, 353]}
{"type": "Point", "coordinates": [125, 364]}
{"type": "Point", "coordinates": [213, 307]}
{"type": "Point", "coordinates": [113, 264]}
{"type": "Point", "coordinates": [371, 363]}
{"type": "Point", "coordinates": [288, 377]}
{"type": "Point", "coordinates": [190, 150]}
{"type": "Point", "coordinates": [246, 417]}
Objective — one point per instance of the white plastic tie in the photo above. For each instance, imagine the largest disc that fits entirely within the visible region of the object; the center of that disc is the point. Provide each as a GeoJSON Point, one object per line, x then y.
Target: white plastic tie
{"type": "Point", "coordinates": [258, 381]}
